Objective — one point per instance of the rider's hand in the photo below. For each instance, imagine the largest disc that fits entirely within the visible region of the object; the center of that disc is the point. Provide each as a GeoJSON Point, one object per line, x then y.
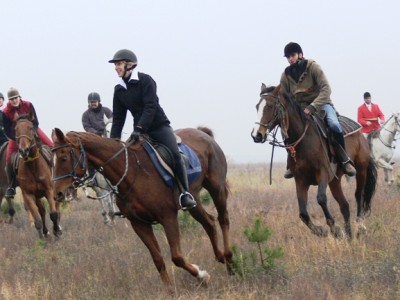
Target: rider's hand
{"type": "Point", "coordinates": [135, 136]}
{"type": "Point", "coordinates": [368, 123]}
{"type": "Point", "coordinates": [309, 110]}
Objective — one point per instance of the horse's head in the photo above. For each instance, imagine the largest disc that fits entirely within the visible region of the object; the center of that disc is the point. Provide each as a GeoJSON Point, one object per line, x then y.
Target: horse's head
{"type": "Point", "coordinates": [396, 117]}
{"type": "Point", "coordinates": [70, 164]}
{"type": "Point", "coordinates": [267, 113]}
{"type": "Point", "coordinates": [26, 137]}
{"type": "Point", "coordinates": [107, 128]}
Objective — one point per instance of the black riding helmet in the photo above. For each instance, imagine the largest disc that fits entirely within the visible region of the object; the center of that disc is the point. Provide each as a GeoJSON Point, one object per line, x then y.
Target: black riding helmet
{"type": "Point", "coordinates": [93, 96]}
{"type": "Point", "coordinates": [124, 54]}
{"type": "Point", "coordinates": [292, 48]}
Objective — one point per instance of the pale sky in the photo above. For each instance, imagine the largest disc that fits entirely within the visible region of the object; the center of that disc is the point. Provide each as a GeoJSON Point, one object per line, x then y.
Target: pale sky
{"type": "Point", "coordinates": [208, 57]}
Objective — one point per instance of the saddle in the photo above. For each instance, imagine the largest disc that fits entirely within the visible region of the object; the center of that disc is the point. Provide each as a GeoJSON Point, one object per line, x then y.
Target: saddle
{"type": "Point", "coordinates": [163, 160]}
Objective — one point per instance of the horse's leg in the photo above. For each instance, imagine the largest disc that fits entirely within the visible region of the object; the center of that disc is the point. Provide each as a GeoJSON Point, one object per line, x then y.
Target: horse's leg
{"type": "Point", "coordinates": [219, 194]}
{"type": "Point", "coordinates": [208, 222]}
{"type": "Point", "coordinates": [337, 193]}
{"type": "Point", "coordinates": [302, 198]}
{"type": "Point", "coordinates": [42, 212]}
{"type": "Point", "coordinates": [103, 202]}
{"type": "Point", "coordinates": [111, 207]}
{"type": "Point", "coordinates": [146, 234]}
{"type": "Point", "coordinates": [11, 210]}
{"type": "Point", "coordinates": [30, 205]}
{"type": "Point", "coordinates": [54, 212]}
{"type": "Point", "coordinates": [171, 228]}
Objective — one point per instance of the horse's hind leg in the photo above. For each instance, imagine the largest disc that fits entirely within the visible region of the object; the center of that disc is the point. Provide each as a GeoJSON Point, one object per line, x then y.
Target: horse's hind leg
{"type": "Point", "coordinates": [220, 196]}
{"type": "Point", "coordinates": [337, 192]}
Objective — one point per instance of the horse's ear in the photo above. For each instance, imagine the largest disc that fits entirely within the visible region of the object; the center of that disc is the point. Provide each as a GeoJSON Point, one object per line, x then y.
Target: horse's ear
{"type": "Point", "coordinates": [31, 116]}
{"type": "Point", "coordinates": [57, 135]}
{"type": "Point", "coordinates": [263, 87]}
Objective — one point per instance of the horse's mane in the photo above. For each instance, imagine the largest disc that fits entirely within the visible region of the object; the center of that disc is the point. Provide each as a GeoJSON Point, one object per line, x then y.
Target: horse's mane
{"type": "Point", "coordinates": [295, 106]}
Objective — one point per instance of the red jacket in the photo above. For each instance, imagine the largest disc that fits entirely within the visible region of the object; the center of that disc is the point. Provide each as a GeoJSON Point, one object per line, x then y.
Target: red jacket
{"type": "Point", "coordinates": [11, 114]}
{"type": "Point", "coordinates": [364, 114]}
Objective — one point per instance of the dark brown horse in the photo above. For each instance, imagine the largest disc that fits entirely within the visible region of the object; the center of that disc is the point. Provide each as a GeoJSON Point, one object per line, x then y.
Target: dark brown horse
{"type": "Point", "coordinates": [309, 161]}
{"type": "Point", "coordinates": [142, 196]}
{"type": "Point", "coordinates": [4, 184]}
{"type": "Point", "coordinates": [35, 178]}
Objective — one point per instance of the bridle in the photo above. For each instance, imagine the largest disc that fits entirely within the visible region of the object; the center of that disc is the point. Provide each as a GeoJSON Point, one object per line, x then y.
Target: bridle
{"type": "Point", "coordinates": [397, 125]}
{"type": "Point", "coordinates": [81, 161]}
{"type": "Point", "coordinates": [32, 143]}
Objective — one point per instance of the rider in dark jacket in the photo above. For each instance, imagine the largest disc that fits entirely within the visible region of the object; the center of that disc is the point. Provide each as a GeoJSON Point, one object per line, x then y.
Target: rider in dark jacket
{"type": "Point", "coordinates": [137, 92]}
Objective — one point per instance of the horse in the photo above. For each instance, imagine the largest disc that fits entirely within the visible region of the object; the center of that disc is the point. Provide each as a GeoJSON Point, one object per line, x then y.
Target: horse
{"type": "Point", "coordinates": [4, 185]}
{"type": "Point", "coordinates": [310, 164]}
{"type": "Point", "coordinates": [102, 186]}
{"type": "Point", "coordinates": [143, 197]}
{"type": "Point", "coordinates": [383, 143]}
{"type": "Point", "coordinates": [35, 177]}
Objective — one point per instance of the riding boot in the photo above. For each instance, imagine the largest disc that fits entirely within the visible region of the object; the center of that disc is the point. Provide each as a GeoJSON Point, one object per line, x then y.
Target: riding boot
{"type": "Point", "coordinates": [341, 154]}
{"type": "Point", "coordinates": [186, 200]}
{"type": "Point", "coordinates": [12, 181]}
{"type": "Point", "coordinates": [288, 173]}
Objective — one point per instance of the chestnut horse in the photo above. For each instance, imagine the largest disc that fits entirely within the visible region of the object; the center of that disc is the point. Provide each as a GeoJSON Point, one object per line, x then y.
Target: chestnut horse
{"type": "Point", "coordinates": [4, 184]}
{"type": "Point", "coordinates": [310, 163]}
{"type": "Point", "coordinates": [142, 197]}
{"type": "Point", "coordinates": [35, 178]}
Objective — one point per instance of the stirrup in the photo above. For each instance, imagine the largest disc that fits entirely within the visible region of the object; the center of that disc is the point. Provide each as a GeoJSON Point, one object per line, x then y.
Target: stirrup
{"type": "Point", "coordinates": [349, 169]}
{"type": "Point", "coordinates": [188, 200]}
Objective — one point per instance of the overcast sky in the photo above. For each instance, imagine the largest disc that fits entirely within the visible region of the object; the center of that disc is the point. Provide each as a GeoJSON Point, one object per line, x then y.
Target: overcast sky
{"type": "Point", "coordinates": [208, 57]}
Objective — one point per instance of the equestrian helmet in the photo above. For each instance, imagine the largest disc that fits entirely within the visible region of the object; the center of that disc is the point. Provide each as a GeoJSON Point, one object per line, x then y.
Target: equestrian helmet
{"type": "Point", "coordinates": [12, 93]}
{"type": "Point", "coordinates": [367, 95]}
{"type": "Point", "coordinates": [93, 96]}
{"type": "Point", "coordinates": [292, 48]}
{"type": "Point", "coordinates": [124, 54]}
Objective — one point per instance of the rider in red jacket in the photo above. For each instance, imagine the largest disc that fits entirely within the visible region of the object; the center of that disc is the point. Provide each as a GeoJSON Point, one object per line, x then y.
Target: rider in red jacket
{"type": "Point", "coordinates": [14, 109]}
{"type": "Point", "coordinates": [369, 115]}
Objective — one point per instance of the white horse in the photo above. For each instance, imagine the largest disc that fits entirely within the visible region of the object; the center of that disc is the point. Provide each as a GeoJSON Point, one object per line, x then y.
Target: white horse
{"type": "Point", "coordinates": [383, 144]}
{"type": "Point", "coordinates": [102, 186]}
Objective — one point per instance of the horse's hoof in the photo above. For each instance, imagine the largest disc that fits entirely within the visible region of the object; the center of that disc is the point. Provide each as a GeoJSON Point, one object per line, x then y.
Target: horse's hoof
{"type": "Point", "coordinates": [202, 276]}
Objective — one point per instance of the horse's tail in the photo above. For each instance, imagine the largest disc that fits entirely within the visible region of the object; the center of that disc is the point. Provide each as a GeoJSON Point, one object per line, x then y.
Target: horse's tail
{"type": "Point", "coordinates": [206, 130]}
{"type": "Point", "coordinates": [372, 177]}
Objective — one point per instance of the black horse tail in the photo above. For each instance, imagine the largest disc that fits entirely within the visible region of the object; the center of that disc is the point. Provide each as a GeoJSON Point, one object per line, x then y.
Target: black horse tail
{"type": "Point", "coordinates": [372, 177]}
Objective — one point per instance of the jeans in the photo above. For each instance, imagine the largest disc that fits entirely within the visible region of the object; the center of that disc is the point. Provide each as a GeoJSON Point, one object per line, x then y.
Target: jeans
{"type": "Point", "coordinates": [331, 118]}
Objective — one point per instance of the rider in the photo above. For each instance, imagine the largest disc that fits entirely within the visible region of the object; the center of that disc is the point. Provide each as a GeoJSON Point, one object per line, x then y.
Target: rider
{"type": "Point", "coordinates": [93, 117]}
{"type": "Point", "coordinates": [306, 82]}
{"type": "Point", "coordinates": [3, 137]}
{"type": "Point", "coordinates": [137, 92]}
{"type": "Point", "coordinates": [368, 115]}
{"type": "Point", "coordinates": [15, 108]}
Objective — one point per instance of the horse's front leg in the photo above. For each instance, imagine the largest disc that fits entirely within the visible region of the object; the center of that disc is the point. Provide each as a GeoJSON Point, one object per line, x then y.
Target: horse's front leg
{"type": "Point", "coordinates": [302, 198]}
{"type": "Point", "coordinates": [31, 207]}
{"type": "Point", "coordinates": [337, 192]}
{"type": "Point", "coordinates": [54, 213]}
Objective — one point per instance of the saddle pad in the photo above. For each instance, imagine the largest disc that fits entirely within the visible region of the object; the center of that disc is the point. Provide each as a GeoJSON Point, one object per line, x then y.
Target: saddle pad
{"type": "Point", "coordinates": [348, 125]}
{"type": "Point", "coordinates": [193, 168]}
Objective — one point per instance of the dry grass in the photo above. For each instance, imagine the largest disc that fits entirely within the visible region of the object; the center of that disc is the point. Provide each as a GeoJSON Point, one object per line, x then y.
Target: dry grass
{"type": "Point", "coordinates": [93, 261]}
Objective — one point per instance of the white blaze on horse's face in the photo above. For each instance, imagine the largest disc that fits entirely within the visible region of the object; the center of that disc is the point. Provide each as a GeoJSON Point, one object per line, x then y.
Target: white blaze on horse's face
{"type": "Point", "coordinates": [259, 131]}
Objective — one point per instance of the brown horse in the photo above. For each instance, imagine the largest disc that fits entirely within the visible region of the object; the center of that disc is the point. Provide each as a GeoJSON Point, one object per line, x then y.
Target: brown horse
{"type": "Point", "coordinates": [142, 196]}
{"type": "Point", "coordinates": [35, 178]}
{"type": "Point", "coordinates": [309, 162]}
{"type": "Point", "coordinates": [4, 184]}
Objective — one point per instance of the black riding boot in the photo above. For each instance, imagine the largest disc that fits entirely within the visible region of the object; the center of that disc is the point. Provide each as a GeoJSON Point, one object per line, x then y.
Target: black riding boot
{"type": "Point", "coordinates": [12, 182]}
{"type": "Point", "coordinates": [186, 200]}
{"type": "Point", "coordinates": [341, 154]}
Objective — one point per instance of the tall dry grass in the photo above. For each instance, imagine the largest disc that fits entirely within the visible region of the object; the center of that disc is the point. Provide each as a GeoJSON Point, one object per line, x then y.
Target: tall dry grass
{"type": "Point", "coordinates": [94, 261]}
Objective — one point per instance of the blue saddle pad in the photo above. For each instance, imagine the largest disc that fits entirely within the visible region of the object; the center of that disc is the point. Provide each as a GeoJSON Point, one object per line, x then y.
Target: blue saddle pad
{"type": "Point", "coordinates": [193, 170]}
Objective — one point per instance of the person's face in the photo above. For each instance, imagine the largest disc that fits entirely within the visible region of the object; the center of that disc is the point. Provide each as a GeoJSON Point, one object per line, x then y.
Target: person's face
{"type": "Point", "coordinates": [293, 58]}
{"type": "Point", "coordinates": [94, 104]}
{"type": "Point", "coordinates": [120, 68]}
{"type": "Point", "coordinates": [15, 101]}
{"type": "Point", "coordinates": [368, 100]}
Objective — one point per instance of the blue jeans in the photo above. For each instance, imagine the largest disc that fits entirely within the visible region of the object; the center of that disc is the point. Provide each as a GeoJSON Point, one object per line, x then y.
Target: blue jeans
{"type": "Point", "coordinates": [331, 118]}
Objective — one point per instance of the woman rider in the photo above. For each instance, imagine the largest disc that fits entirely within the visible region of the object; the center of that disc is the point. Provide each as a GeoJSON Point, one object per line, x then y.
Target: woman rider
{"type": "Point", "coordinates": [137, 92]}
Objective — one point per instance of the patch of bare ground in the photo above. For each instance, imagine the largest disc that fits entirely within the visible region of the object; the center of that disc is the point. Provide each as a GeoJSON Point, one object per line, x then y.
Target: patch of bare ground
{"type": "Point", "coordinates": [95, 261]}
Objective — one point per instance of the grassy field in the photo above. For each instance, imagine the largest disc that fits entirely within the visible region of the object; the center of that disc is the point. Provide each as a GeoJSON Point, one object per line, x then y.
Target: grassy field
{"type": "Point", "coordinates": [94, 261]}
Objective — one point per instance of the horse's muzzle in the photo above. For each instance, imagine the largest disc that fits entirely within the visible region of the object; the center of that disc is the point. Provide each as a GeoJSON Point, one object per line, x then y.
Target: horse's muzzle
{"type": "Point", "coordinates": [259, 138]}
